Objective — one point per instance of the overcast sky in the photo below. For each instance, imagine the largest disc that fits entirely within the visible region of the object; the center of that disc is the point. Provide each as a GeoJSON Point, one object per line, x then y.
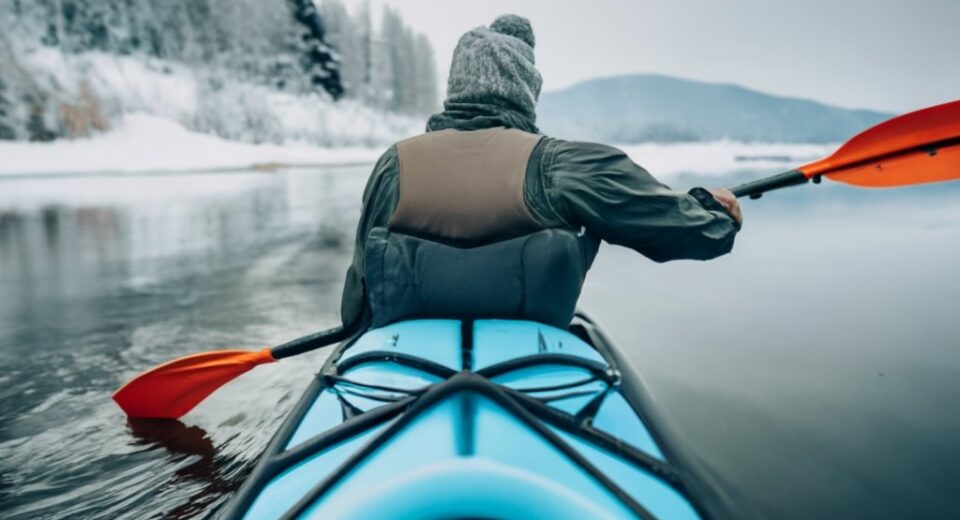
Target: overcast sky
{"type": "Point", "coordinates": [891, 55]}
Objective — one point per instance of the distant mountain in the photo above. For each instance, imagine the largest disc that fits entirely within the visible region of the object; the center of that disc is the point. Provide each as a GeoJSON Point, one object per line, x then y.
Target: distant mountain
{"type": "Point", "coordinates": [654, 108]}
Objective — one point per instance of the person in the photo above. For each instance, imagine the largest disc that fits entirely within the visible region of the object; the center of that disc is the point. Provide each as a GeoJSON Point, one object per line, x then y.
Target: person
{"type": "Point", "coordinates": [440, 210]}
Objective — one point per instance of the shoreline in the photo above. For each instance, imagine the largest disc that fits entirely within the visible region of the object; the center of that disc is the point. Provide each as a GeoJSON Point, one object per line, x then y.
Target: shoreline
{"type": "Point", "coordinates": [145, 145]}
{"type": "Point", "coordinates": [251, 169]}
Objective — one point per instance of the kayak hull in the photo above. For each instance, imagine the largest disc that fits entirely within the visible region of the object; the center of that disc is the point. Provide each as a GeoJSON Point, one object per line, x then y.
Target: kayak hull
{"type": "Point", "coordinates": [470, 419]}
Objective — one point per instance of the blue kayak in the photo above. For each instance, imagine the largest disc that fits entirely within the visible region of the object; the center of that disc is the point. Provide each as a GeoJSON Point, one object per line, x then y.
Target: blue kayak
{"type": "Point", "coordinates": [435, 419]}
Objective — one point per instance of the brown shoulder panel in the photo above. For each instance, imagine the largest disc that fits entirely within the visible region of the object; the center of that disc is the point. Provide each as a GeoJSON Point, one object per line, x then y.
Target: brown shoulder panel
{"type": "Point", "coordinates": [465, 185]}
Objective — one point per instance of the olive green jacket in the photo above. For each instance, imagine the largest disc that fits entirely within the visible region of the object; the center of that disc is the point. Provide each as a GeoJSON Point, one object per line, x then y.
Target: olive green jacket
{"type": "Point", "coordinates": [575, 185]}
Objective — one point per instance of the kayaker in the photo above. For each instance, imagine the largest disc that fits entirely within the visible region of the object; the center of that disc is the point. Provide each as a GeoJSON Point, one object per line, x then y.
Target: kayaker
{"type": "Point", "coordinates": [441, 210]}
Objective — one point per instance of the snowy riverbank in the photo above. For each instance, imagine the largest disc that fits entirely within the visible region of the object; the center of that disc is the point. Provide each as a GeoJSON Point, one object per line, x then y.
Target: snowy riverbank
{"type": "Point", "coordinates": [149, 144]}
{"type": "Point", "coordinates": [146, 144]}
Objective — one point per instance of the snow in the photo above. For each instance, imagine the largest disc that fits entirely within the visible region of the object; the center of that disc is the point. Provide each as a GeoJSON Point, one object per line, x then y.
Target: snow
{"type": "Point", "coordinates": [144, 143]}
{"type": "Point", "coordinates": [211, 101]}
{"type": "Point", "coordinates": [122, 82]}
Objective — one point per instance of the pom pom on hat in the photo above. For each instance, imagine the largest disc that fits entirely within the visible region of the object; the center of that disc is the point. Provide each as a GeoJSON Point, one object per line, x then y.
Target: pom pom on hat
{"type": "Point", "coordinates": [516, 26]}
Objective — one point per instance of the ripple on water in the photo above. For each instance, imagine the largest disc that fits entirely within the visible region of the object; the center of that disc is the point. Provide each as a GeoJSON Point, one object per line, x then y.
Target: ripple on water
{"type": "Point", "coordinates": [98, 463]}
{"type": "Point", "coordinates": [95, 292]}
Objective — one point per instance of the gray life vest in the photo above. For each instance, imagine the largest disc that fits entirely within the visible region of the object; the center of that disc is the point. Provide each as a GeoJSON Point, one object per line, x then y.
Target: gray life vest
{"type": "Point", "coordinates": [462, 243]}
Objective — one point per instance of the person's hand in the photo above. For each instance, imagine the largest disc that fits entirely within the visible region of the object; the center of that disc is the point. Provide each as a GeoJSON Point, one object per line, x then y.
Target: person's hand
{"type": "Point", "coordinates": [727, 199]}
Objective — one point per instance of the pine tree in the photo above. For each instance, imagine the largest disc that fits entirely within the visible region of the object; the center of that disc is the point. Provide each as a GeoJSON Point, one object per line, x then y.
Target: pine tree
{"type": "Point", "coordinates": [7, 125]}
{"type": "Point", "coordinates": [345, 38]}
{"type": "Point", "coordinates": [365, 36]}
{"type": "Point", "coordinates": [283, 44]}
{"type": "Point", "coordinates": [381, 92]}
{"type": "Point", "coordinates": [425, 80]}
{"type": "Point", "coordinates": [395, 53]}
{"type": "Point", "coordinates": [318, 59]}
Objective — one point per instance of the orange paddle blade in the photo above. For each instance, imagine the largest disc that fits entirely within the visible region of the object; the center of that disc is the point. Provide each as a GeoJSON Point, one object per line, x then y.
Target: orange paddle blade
{"type": "Point", "coordinates": [170, 390]}
{"type": "Point", "coordinates": [915, 148]}
{"type": "Point", "coordinates": [916, 167]}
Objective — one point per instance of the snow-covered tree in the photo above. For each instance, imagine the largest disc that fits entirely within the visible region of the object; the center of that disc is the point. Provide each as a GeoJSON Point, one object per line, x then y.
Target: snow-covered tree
{"type": "Point", "coordinates": [288, 46]}
{"type": "Point", "coordinates": [344, 36]}
{"type": "Point", "coordinates": [425, 76]}
{"type": "Point", "coordinates": [364, 30]}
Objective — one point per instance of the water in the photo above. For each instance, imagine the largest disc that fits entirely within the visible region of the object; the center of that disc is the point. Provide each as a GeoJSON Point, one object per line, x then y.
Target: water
{"type": "Point", "coordinates": [105, 277]}
{"type": "Point", "coordinates": [814, 373]}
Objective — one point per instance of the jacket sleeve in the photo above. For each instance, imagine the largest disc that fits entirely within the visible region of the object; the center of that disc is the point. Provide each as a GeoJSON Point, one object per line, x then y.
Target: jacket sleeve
{"type": "Point", "coordinates": [598, 187]}
{"type": "Point", "coordinates": [379, 200]}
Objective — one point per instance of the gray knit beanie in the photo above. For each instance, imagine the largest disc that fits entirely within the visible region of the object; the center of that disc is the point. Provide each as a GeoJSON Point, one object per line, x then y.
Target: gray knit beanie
{"type": "Point", "coordinates": [493, 72]}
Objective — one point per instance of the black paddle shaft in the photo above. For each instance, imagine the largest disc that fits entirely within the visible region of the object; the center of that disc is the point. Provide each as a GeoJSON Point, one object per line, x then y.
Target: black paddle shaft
{"type": "Point", "coordinates": [754, 189]}
{"type": "Point", "coordinates": [310, 342]}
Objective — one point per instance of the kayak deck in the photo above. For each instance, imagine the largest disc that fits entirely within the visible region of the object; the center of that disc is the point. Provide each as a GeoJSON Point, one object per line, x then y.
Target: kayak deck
{"type": "Point", "coordinates": [468, 419]}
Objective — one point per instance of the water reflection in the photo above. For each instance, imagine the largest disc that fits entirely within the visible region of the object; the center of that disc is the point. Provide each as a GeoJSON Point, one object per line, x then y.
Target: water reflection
{"type": "Point", "coordinates": [104, 277]}
{"type": "Point", "coordinates": [197, 457]}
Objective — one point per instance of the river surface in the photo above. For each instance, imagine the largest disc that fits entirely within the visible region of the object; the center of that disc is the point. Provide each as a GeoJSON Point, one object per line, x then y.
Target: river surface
{"type": "Point", "coordinates": [814, 373]}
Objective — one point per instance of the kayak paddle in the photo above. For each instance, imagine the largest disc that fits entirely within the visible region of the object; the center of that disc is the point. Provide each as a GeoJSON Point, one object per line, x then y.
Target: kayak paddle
{"type": "Point", "coordinates": [170, 390]}
{"type": "Point", "coordinates": [914, 148]}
